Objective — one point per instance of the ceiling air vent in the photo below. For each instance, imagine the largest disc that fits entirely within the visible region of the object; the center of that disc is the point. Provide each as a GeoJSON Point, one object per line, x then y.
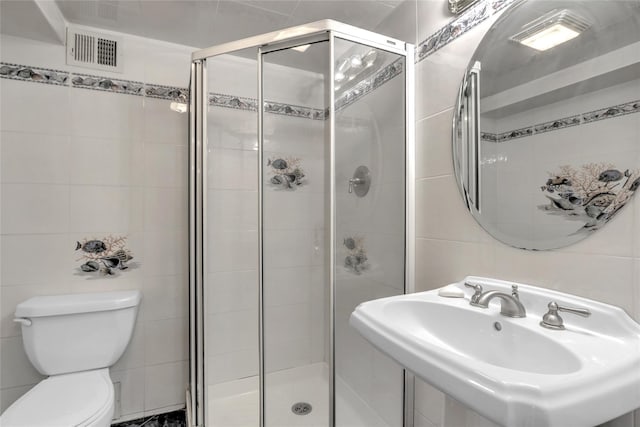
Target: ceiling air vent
{"type": "Point", "coordinates": [94, 50]}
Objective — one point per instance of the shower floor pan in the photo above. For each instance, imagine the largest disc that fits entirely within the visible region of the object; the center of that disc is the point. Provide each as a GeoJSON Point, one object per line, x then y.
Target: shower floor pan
{"type": "Point", "coordinates": [235, 403]}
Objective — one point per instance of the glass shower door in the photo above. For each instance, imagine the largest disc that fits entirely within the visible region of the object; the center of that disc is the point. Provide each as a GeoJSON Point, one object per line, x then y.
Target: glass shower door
{"type": "Point", "coordinates": [231, 242]}
{"type": "Point", "coordinates": [295, 288]}
{"type": "Point", "coordinates": [370, 225]}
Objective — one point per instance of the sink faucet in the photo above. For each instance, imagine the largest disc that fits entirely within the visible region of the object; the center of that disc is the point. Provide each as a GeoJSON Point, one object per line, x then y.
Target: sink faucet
{"type": "Point", "coordinates": [510, 305]}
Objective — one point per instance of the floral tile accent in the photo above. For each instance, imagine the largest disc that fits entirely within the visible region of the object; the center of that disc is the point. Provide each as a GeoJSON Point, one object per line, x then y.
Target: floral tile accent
{"type": "Point", "coordinates": [580, 119]}
{"type": "Point", "coordinates": [356, 260]}
{"type": "Point", "coordinates": [104, 257]}
{"type": "Point", "coordinates": [294, 110]}
{"type": "Point", "coordinates": [557, 124]}
{"type": "Point", "coordinates": [592, 194]}
{"type": "Point", "coordinates": [366, 86]}
{"type": "Point", "coordinates": [169, 419]}
{"type": "Point", "coordinates": [33, 74]}
{"type": "Point", "coordinates": [615, 111]}
{"type": "Point", "coordinates": [491, 137]}
{"type": "Point", "coordinates": [287, 174]}
{"type": "Point", "coordinates": [105, 84]}
{"type": "Point", "coordinates": [230, 101]}
{"type": "Point", "coordinates": [458, 26]}
{"type": "Point", "coordinates": [167, 92]}
{"type": "Point", "coordinates": [512, 134]}
{"type": "Point", "coordinates": [86, 81]}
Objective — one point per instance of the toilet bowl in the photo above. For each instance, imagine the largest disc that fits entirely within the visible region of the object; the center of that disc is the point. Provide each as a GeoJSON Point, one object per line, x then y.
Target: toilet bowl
{"type": "Point", "coordinates": [74, 339]}
{"type": "Point", "coordinates": [79, 399]}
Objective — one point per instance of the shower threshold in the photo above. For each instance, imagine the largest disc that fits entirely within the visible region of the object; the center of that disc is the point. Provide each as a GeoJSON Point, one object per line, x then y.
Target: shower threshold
{"type": "Point", "coordinates": [235, 403]}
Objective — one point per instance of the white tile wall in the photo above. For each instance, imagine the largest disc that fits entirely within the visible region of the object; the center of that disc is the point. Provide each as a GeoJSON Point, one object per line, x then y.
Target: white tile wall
{"type": "Point", "coordinates": [82, 163]}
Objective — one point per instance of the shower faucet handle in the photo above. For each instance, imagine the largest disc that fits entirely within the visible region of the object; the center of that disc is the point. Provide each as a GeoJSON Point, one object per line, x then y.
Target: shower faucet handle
{"type": "Point", "coordinates": [360, 182]}
{"type": "Point", "coordinates": [354, 182]}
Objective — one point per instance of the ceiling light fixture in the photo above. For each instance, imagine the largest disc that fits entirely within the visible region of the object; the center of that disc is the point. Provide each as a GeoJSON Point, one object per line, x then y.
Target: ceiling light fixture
{"type": "Point", "coordinates": [355, 61]}
{"type": "Point", "coordinates": [302, 48]}
{"type": "Point", "coordinates": [551, 29]}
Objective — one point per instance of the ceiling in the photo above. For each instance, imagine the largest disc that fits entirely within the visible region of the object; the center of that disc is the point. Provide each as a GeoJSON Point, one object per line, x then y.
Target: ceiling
{"type": "Point", "coordinates": [197, 23]}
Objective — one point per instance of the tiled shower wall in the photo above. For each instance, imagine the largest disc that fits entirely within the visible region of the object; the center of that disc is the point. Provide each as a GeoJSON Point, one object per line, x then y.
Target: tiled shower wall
{"type": "Point", "coordinates": [79, 163]}
{"type": "Point", "coordinates": [451, 245]}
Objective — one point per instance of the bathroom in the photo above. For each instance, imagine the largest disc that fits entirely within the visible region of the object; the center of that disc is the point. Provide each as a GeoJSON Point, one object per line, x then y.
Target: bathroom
{"type": "Point", "coordinates": [97, 155]}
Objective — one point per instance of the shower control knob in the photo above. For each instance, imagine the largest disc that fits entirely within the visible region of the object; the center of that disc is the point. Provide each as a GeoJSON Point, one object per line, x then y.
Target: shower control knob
{"type": "Point", "coordinates": [360, 182]}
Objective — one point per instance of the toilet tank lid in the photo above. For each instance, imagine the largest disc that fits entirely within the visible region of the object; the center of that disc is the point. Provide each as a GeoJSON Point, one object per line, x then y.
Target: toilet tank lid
{"type": "Point", "coordinates": [56, 305]}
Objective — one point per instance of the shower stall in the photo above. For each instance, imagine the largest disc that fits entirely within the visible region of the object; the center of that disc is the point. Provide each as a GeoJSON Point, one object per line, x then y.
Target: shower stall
{"type": "Point", "coordinates": [301, 184]}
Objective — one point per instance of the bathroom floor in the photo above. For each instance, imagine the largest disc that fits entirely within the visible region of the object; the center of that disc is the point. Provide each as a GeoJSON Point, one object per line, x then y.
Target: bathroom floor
{"type": "Point", "coordinates": [234, 404]}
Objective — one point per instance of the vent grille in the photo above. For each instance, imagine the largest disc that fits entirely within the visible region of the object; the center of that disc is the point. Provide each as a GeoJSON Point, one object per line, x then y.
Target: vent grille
{"type": "Point", "coordinates": [83, 48]}
{"type": "Point", "coordinates": [93, 50]}
{"type": "Point", "coordinates": [565, 17]}
{"type": "Point", "coordinates": [107, 52]}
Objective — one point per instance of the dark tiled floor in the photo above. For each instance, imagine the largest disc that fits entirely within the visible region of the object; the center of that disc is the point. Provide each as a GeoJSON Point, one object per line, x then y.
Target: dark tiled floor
{"type": "Point", "coordinates": [170, 419]}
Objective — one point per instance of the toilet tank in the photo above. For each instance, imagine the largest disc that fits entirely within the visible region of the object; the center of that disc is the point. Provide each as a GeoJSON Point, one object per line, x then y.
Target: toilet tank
{"type": "Point", "coordinates": [79, 332]}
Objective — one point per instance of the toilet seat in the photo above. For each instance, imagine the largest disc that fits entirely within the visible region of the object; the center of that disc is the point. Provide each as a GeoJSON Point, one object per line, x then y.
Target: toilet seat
{"type": "Point", "coordinates": [80, 399]}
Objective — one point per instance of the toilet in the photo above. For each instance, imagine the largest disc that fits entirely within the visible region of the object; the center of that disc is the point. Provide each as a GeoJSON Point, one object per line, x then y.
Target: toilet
{"type": "Point", "coordinates": [73, 339]}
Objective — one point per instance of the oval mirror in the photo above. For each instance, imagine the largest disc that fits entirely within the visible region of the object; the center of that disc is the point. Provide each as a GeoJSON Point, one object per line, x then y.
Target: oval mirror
{"type": "Point", "coordinates": [546, 134]}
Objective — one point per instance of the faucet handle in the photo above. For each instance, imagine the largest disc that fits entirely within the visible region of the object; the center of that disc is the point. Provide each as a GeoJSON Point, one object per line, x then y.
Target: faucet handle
{"type": "Point", "coordinates": [478, 291]}
{"type": "Point", "coordinates": [514, 292]}
{"type": "Point", "coordinates": [552, 319]}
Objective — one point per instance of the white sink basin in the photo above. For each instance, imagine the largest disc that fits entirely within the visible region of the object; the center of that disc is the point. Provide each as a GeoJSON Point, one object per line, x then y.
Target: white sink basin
{"type": "Point", "coordinates": [522, 374]}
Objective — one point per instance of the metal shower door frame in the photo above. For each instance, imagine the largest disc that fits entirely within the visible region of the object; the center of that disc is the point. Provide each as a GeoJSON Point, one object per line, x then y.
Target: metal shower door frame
{"type": "Point", "coordinates": [325, 30]}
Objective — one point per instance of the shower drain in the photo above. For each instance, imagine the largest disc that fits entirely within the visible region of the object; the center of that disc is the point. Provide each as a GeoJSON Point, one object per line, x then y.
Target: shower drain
{"type": "Point", "coordinates": [301, 408]}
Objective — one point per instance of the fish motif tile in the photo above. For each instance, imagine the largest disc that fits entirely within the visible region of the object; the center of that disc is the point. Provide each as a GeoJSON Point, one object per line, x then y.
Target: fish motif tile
{"type": "Point", "coordinates": [355, 260]}
{"type": "Point", "coordinates": [286, 173]}
{"type": "Point", "coordinates": [104, 257]}
{"type": "Point", "coordinates": [591, 194]}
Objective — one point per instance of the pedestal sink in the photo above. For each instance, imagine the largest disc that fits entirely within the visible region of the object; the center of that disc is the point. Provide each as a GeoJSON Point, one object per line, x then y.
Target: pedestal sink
{"type": "Point", "coordinates": [512, 370]}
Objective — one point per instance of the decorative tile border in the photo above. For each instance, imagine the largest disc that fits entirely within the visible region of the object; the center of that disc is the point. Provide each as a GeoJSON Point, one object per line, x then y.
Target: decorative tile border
{"type": "Point", "coordinates": [33, 74]}
{"type": "Point", "coordinates": [168, 419]}
{"type": "Point", "coordinates": [557, 124]}
{"type": "Point", "coordinates": [553, 125]}
{"type": "Point", "coordinates": [230, 101]}
{"type": "Point", "coordinates": [460, 25]}
{"type": "Point", "coordinates": [294, 111]}
{"type": "Point", "coordinates": [349, 97]}
{"type": "Point", "coordinates": [87, 81]}
{"type": "Point", "coordinates": [615, 111]}
{"type": "Point", "coordinates": [369, 85]}
{"type": "Point", "coordinates": [172, 93]}
{"type": "Point", "coordinates": [167, 92]}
